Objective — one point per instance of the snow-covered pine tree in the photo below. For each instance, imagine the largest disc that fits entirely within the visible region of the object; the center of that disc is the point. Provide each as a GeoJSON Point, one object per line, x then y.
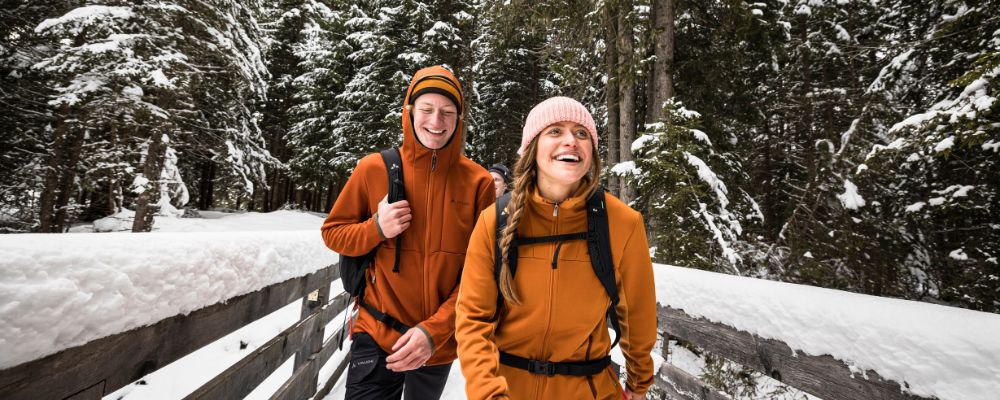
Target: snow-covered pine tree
{"type": "Point", "coordinates": [126, 75]}
{"type": "Point", "coordinates": [369, 115]}
{"type": "Point", "coordinates": [324, 71]}
{"type": "Point", "coordinates": [820, 80]}
{"type": "Point", "coordinates": [680, 177]}
{"type": "Point", "coordinates": [25, 116]}
{"type": "Point", "coordinates": [935, 175]}
{"type": "Point", "coordinates": [508, 76]}
{"type": "Point", "coordinates": [228, 42]}
{"type": "Point", "coordinates": [391, 41]}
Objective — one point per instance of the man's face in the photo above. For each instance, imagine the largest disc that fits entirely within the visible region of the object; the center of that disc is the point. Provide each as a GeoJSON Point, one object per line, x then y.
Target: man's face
{"type": "Point", "coordinates": [434, 120]}
{"type": "Point", "coordinates": [498, 183]}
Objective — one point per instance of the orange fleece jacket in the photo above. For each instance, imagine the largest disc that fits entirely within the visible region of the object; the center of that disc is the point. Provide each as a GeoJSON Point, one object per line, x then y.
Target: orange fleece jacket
{"type": "Point", "coordinates": [445, 196]}
{"type": "Point", "coordinates": [562, 317]}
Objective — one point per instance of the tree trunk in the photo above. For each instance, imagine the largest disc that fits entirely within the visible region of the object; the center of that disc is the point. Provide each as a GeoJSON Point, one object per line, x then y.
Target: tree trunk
{"type": "Point", "coordinates": [46, 213]}
{"type": "Point", "coordinates": [626, 85]}
{"type": "Point", "coordinates": [611, 91]}
{"type": "Point", "coordinates": [151, 167]}
{"type": "Point", "coordinates": [331, 196]}
{"type": "Point", "coordinates": [68, 180]}
{"type": "Point", "coordinates": [206, 185]}
{"type": "Point", "coordinates": [662, 87]}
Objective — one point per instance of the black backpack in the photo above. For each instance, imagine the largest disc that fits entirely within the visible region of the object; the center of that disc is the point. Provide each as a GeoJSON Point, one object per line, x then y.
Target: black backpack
{"type": "Point", "coordinates": [598, 244]}
{"type": "Point", "coordinates": [352, 269]}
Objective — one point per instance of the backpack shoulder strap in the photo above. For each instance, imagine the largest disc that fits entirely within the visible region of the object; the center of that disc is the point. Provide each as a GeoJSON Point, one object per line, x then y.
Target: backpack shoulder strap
{"type": "Point", "coordinates": [394, 169]}
{"type": "Point", "coordinates": [501, 223]}
{"type": "Point", "coordinates": [599, 246]}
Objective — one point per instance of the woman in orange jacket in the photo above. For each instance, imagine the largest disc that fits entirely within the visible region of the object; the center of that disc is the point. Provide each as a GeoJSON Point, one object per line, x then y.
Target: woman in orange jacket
{"type": "Point", "coordinates": [549, 339]}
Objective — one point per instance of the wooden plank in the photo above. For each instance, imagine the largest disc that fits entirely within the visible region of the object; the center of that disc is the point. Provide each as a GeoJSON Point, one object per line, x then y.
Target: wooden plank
{"type": "Point", "coordinates": [315, 343]}
{"type": "Point", "coordinates": [303, 382]}
{"type": "Point", "coordinates": [822, 376]}
{"type": "Point", "coordinates": [240, 379]}
{"type": "Point", "coordinates": [95, 392]}
{"type": "Point", "coordinates": [120, 359]}
{"type": "Point", "coordinates": [679, 384]}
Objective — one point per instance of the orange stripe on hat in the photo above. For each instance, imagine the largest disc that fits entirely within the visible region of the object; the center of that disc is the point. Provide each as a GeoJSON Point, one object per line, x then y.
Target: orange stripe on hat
{"type": "Point", "coordinates": [439, 84]}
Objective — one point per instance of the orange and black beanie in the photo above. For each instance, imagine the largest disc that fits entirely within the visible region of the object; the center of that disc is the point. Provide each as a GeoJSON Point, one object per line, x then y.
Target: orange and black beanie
{"type": "Point", "coordinates": [439, 84]}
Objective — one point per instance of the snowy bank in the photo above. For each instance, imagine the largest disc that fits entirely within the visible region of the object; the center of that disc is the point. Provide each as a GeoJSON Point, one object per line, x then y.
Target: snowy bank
{"type": "Point", "coordinates": [946, 352]}
{"type": "Point", "coordinates": [63, 290]}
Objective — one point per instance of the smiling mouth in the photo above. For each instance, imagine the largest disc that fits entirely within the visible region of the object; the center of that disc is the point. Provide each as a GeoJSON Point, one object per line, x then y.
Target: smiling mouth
{"type": "Point", "coordinates": [568, 158]}
{"type": "Point", "coordinates": [438, 132]}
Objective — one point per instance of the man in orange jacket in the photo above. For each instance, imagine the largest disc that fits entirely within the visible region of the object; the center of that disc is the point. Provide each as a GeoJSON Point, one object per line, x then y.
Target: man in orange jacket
{"type": "Point", "coordinates": [404, 336]}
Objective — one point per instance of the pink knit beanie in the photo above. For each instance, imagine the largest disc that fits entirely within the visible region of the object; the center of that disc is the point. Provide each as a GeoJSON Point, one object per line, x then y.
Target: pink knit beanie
{"type": "Point", "coordinates": [552, 110]}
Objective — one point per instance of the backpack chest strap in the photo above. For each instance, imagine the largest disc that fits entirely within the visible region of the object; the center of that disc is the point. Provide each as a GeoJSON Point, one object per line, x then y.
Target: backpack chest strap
{"type": "Point", "coordinates": [548, 239]}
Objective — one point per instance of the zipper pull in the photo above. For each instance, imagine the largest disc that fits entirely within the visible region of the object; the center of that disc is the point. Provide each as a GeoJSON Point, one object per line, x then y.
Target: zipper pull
{"type": "Point", "coordinates": [555, 210]}
{"type": "Point", "coordinates": [434, 160]}
{"type": "Point", "coordinates": [555, 256]}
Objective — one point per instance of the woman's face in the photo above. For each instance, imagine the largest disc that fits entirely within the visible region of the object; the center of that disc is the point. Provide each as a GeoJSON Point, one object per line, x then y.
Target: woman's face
{"type": "Point", "coordinates": [564, 154]}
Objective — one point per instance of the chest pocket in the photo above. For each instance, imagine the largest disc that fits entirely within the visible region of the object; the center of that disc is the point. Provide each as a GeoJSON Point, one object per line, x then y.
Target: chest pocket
{"type": "Point", "coordinates": [458, 220]}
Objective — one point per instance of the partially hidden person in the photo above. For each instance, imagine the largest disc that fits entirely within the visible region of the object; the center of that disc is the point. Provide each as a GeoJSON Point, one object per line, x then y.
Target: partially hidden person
{"type": "Point", "coordinates": [533, 323]}
{"type": "Point", "coordinates": [403, 338]}
{"type": "Point", "coordinates": [501, 177]}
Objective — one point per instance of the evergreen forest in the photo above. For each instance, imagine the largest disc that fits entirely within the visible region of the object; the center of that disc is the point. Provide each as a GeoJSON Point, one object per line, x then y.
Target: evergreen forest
{"type": "Point", "coordinates": [848, 144]}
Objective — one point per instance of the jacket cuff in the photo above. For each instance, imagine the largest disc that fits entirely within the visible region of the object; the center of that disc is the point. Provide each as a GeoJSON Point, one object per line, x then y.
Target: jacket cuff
{"type": "Point", "coordinates": [430, 339]}
{"type": "Point", "coordinates": [378, 227]}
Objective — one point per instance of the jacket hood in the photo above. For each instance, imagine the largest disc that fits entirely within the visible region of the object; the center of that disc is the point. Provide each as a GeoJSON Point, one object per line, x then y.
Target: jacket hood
{"type": "Point", "coordinates": [412, 149]}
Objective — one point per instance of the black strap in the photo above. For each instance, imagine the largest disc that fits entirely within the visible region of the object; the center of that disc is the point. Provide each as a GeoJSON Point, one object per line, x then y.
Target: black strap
{"type": "Point", "coordinates": [598, 239]}
{"type": "Point", "coordinates": [576, 368]}
{"type": "Point", "coordinates": [394, 168]}
{"type": "Point", "coordinates": [501, 223]}
{"type": "Point", "coordinates": [599, 246]}
{"type": "Point", "coordinates": [385, 318]}
{"type": "Point", "coordinates": [548, 239]}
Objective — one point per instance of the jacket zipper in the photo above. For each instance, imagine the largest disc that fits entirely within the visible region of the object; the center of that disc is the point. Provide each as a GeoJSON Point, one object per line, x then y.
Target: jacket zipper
{"type": "Point", "coordinates": [552, 288]}
{"type": "Point", "coordinates": [427, 233]}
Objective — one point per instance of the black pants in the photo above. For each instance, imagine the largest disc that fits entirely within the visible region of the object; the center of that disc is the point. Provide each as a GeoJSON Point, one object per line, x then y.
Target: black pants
{"type": "Point", "coordinates": [368, 378]}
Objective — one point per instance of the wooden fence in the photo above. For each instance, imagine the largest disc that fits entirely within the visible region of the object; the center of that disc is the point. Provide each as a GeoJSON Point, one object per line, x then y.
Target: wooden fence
{"type": "Point", "coordinates": [98, 368]}
{"type": "Point", "coordinates": [822, 376]}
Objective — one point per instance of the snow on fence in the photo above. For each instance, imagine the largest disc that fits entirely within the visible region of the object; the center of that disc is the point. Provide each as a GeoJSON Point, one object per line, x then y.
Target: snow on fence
{"type": "Point", "coordinates": [117, 307]}
{"type": "Point", "coordinates": [829, 343]}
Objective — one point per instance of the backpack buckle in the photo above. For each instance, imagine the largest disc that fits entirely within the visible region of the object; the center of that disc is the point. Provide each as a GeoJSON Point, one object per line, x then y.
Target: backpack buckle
{"type": "Point", "coordinates": [542, 367]}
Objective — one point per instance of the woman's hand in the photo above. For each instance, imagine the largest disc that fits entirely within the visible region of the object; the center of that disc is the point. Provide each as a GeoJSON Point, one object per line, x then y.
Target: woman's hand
{"type": "Point", "coordinates": [628, 395]}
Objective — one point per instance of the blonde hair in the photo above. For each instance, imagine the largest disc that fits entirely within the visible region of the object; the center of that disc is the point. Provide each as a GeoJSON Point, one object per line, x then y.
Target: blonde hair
{"type": "Point", "coordinates": [525, 181]}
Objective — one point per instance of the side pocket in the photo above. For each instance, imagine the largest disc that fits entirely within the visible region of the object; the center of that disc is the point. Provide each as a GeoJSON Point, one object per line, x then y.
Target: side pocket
{"type": "Point", "coordinates": [364, 358]}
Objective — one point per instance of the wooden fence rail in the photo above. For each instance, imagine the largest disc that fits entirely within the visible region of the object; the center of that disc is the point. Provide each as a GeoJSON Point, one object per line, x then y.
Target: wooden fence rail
{"type": "Point", "coordinates": [100, 367]}
{"type": "Point", "coordinates": [822, 376]}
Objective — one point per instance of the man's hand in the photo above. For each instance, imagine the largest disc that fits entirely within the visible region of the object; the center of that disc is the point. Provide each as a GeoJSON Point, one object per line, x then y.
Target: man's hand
{"type": "Point", "coordinates": [410, 352]}
{"type": "Point", "coordinates": [393, 218]}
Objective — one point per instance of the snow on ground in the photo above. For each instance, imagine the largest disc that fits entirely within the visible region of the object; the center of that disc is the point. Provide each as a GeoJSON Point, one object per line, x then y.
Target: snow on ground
{"type": "Point", "coordinates": [947, 352]}
{"type": "Point", "coordinates": [62, 290]}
